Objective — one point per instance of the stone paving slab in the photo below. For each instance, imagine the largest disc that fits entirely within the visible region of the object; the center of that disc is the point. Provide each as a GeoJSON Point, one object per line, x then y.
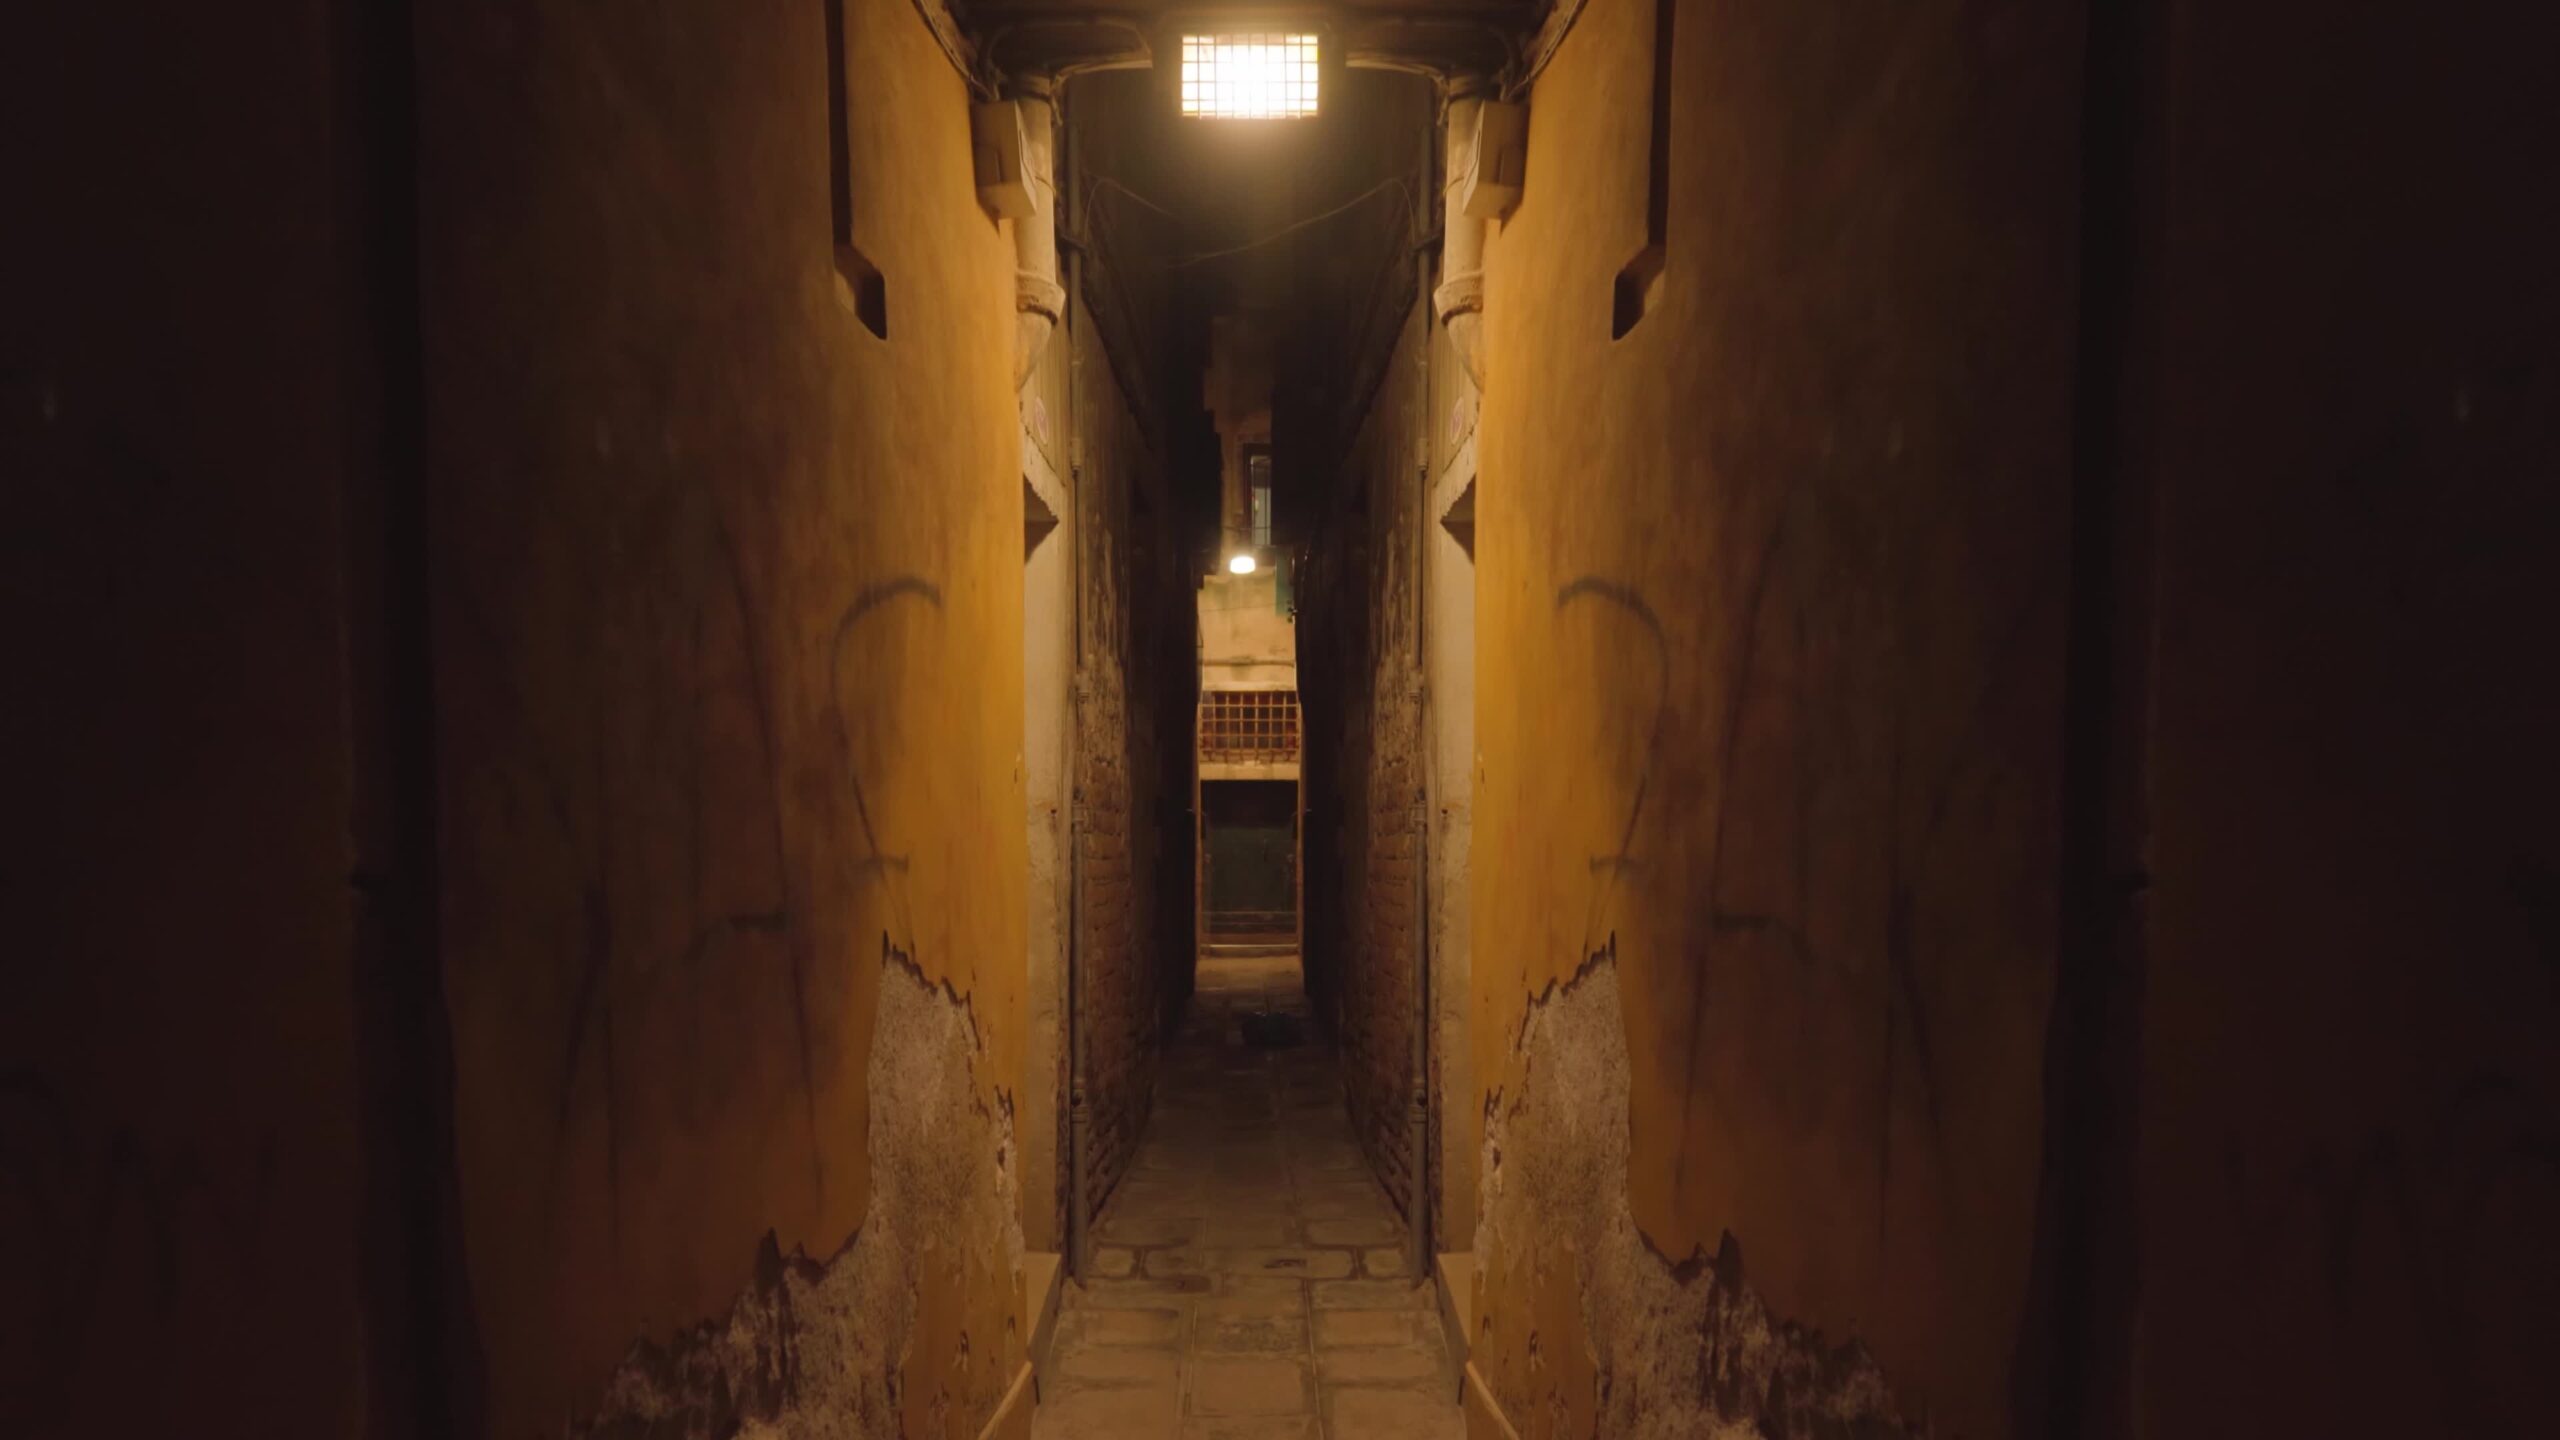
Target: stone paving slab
{"type": "Point", "coordinates": [1222, 1333]}
{"type": "Point", "coordinates": [1251, 1385]}
{"type": "Point", "coordinates": [1107, 1413]}
{"type": "Point", "coordinates": [1372, 1295]}
{"type": "Point", "coordinates": [1249, 1279]}
{"type": "Point", "coordinates": [1097, 1327]}
{"type": "Point", "coordinates": [1260, 1427]}
{"type": "Point", "coordinates": [1100, 1366]}
{"type": "Point", "coordinates": [1396, 1365]}
{"type": "Point", "coordinates": [1361, 1412]}
{"type": "Point", "coordinates": [1370, 1329]}
{"type": "Point", "coordinates": [1358, 1230]}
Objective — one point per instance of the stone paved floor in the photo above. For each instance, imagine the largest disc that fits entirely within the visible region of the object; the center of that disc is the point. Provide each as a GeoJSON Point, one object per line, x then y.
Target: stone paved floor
{"type": "Point", "coordinates": [1250, 1276]}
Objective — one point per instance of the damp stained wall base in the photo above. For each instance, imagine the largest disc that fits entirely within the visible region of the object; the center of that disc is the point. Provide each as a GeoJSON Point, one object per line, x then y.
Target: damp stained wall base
{"type": "Point", "coordinates": [872, 1341]}
{"type": "Point", "coordinates": [1617, 1339]}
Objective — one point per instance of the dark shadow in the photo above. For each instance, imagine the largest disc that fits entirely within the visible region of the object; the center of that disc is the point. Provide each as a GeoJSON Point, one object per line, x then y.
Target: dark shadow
{"type": "Point", "coordinates": [866, 290]}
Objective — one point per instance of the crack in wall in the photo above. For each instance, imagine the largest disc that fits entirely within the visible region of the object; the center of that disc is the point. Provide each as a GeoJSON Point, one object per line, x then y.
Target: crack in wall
{"type": "Point", "coordinates": [824, 1349]}
{"type": "Point", "coordinates": [1658, 1349]}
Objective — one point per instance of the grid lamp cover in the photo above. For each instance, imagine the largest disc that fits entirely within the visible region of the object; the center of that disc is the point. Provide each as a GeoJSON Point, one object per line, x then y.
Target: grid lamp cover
{"type": "Point", "coordinates": [1258, 75]}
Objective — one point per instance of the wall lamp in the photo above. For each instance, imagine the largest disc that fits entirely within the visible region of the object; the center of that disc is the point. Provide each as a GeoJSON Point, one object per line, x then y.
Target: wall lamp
{"type": "Point", "coordinates": [1240, 563]}
{"type": "Point", "coordinates": [1269, 73]}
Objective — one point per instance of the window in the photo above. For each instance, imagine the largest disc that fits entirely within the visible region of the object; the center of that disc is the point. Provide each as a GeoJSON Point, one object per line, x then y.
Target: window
{"type": "Point", "coordinates": [1269, 76]}
{"type": "Point", "coordinates": [1249, 726]}
{"type": "Point", "coordinates": [1257, 479]}
{"type": "Point", "coordinates": [860, 283]}
{"type": "Point", "coordinates": [1639, 281]}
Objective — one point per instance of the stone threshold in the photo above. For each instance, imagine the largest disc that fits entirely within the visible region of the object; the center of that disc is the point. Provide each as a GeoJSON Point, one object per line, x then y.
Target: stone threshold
{"type": "Point", "coordinates": [1043, 1285]}
{"type": "Point", "coordinates": [1455, 1274]}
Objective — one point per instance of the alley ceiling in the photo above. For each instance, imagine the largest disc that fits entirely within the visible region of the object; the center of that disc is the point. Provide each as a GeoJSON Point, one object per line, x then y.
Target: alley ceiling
{"type": "Point", "coordinates": [1014, 37]}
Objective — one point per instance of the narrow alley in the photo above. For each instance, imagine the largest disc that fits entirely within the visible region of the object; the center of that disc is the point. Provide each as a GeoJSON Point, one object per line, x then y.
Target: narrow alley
{"type": "Point", "coordinates": [1250, 1277]}
{"type": "Point", "coordinates": [1279, 720]}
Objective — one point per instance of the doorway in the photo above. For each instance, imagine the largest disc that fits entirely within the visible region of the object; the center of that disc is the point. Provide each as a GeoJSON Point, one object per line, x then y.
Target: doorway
{"type": "Point", "coordinates": [1249, 865]}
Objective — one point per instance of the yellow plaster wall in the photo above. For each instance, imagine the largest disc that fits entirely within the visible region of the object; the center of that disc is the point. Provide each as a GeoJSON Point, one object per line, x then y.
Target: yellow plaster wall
{"type": "Point", "coordinates": [730, 659]}
{"type": "Point", "coordinates": [1769, 660]}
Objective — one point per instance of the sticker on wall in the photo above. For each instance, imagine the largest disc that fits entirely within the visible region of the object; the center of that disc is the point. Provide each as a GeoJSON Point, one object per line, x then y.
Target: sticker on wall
{"type": "Point", "coordinates": [1460, 410]}
{"type": "Point", "coordinates": [1036, 417]}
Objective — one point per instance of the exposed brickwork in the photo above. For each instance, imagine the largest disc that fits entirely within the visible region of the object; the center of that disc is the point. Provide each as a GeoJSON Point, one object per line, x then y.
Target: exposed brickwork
{"type": "Point", "coordinates": [1367, 768]}
{"type": "Point", "coordinates": [1378, 992]}
{"type": "Point", "coordinates": [1117, 999]}
{"type": "Point", "coordinates": [1132, 756]}
{"type": "Point", "coordinates": [1360, 639]}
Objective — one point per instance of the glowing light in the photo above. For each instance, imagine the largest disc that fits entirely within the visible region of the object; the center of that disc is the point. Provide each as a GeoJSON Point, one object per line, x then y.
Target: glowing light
{"type": "Point", "coordinates": [1240, 565]}
{"type": "Point", "coordinates": [1249, 77]}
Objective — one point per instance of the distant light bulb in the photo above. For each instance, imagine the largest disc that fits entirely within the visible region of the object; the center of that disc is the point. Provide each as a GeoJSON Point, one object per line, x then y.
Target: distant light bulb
{"type": "Point", "coordinates": [1240, 565]}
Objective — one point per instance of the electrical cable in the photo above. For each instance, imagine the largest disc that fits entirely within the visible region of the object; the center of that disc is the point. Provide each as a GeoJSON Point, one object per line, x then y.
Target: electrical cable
{"type": "Point", "coordinates": [1284, 232]}
{"type": "Point", "coordinates": [1537, 64]}
{"type": "Point", "coordinates": [1100, 182]}
{"type": "Point", "coordinates": [955, 48]}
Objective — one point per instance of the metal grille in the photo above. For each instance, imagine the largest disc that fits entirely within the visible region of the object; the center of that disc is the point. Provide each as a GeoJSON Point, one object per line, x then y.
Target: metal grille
{"type": "Point", "coordinates": [1249, 726]}
{"type": "Point", "coordinates": [1249, 77]}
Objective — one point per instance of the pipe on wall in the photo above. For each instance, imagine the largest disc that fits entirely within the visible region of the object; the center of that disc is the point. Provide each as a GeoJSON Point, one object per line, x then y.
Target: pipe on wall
{"type": "Point", "coordinates": [1079, 1109]}
{"type": "Point", "coordinates": [1459, 300]}
{"type": "Point", "coordinates": [1419, 1216]}
{"type": "Point", "coordinates": [1038, 297]}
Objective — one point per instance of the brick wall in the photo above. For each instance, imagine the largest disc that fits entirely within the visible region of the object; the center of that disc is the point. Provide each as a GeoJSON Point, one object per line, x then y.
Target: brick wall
{"type": "Point", "coordinates": [1114, 973]}
{"type": "Point", "coordinates": [1366, 763]}
{"type": "Point", "coordinates": [1353, 437]}
{"type": "Point", "coordinates": [1132, 745]}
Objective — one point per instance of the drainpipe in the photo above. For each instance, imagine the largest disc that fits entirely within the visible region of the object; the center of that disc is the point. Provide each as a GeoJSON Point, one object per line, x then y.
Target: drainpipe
{"type": "Point", "coordinates": [1038, 298]}
{"type": "Point", "coordinates": [1079, 1101]}
{"type": "Point", "coordinates": [1015, 145]}
{"type": "Point", "coordinates": [1459, 301]}
{"type": "Point", "coordinates": [1079, 1257]}
{"type": "Point", "coordinates": [1419, 1216]}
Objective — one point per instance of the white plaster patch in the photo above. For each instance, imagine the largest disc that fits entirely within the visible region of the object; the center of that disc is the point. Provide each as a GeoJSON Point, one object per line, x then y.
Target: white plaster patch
{"type": "Point", "coordinates": [1678, 1356]}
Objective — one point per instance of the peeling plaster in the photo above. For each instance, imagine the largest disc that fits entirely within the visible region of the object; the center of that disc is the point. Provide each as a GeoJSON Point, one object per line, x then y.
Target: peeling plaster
{"type": "Point", "coordinates": [1623, 1342]}
{"type": "Point", "coordinates": [834, 1349]}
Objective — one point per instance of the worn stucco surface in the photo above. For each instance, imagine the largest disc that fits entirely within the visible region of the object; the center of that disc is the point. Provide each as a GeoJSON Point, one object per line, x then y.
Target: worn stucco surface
{"type": "Point", "coordinates": [862, 1345]}
{"type": "Point", "coordinates": [1449, 705]}
{"type": "Point", "coordinates": [1768, 660]}
{"type": "Point", "coordinates": [729, 667]}
{"type": "Point", "coordinates": [1658, 1350]}
{"type": "Point", "coordinates": [1106, 614]}
{"type": "Point", "coordinates": [1248, 640]}
{"type": "Point", "coordinates": [1048, 718]}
